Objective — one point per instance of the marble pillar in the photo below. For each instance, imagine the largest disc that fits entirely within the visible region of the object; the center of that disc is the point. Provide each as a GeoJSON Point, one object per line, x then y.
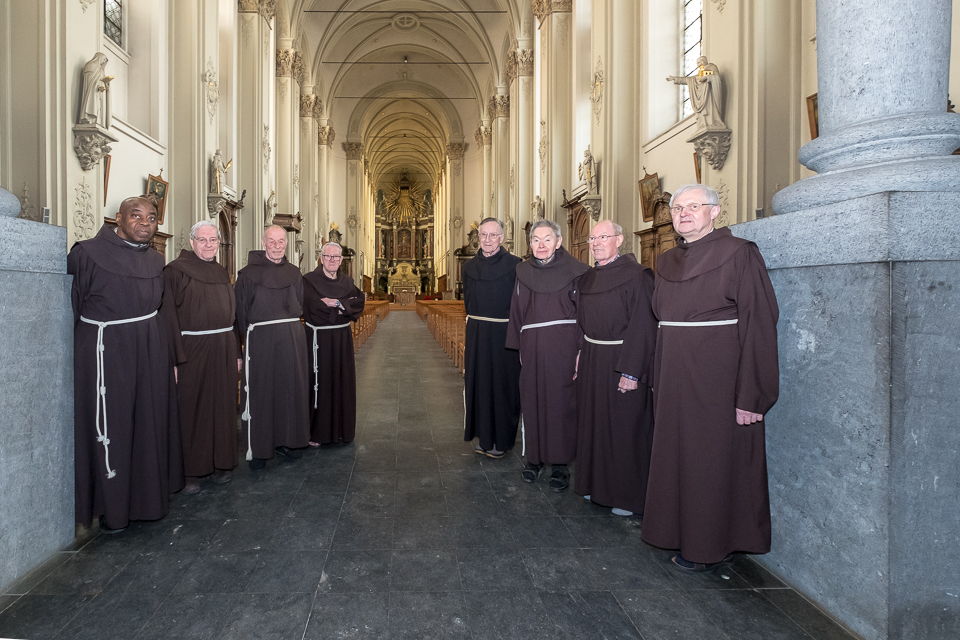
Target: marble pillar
{"type": "Point", "coordinates": [555, 134]}
{"type": "Point", "coordinates": [863, 444]}
{"type": "Point", "coordinates": [354, 192]}
{"type": "Point", "coordinates": [484, 139]}
{"type": "Point", "coordinates": [325, 137]}
{"type": "Point", "coordinates": [307, 176]}
{"type": "Point", "coordinates": [499, 112]}
{"type": "Point", "coordinates": [522, 152]}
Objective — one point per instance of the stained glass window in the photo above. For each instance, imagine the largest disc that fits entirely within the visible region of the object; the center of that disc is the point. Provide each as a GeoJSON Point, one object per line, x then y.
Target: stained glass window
{"type": "Point", "coordinates": [692, 45]}
{"type": "Point", "coordinates": [113, 20]}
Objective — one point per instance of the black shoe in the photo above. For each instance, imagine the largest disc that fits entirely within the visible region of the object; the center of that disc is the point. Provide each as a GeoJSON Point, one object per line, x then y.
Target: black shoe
{"type": "Point", "coordinates": [291, 454]}
{"type": "Point", "coordinates": [257, 464]}
{"type": "Point", "coordinates": [105, 529]}
{"type": "Point", "coordinates": [531, 472]}
{"type": "Point", "coordinates": [559, 478]}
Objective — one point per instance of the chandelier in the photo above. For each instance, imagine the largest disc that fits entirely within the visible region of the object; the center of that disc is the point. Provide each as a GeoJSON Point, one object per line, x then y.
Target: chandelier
{"type": "Point", "coordinates": [404, 200]}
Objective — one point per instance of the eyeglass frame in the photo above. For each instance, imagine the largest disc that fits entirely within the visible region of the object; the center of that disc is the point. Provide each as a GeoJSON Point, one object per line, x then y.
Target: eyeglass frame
{"type": "Point", "coordinates": [323, 255]}
{"type": "Point", "coordinates": [605, 236]}
{"type": "Point", "coordinates": [686, 207]}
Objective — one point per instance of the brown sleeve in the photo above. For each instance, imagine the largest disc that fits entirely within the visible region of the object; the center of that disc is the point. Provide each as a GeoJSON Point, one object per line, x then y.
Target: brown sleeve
{"type": "Point", "coordinates": [516, 322]}
{"type": "Point", "coordinates": [758, 376]}
{"type": "Point", "coordinates": [168, 312]}
{"type": "Point", "coordinates": [640, 340]}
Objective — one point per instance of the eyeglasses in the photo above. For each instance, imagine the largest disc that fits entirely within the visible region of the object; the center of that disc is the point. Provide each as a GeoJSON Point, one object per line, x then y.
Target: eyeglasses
{"type": "Point", "coordinates": [693, 207]}
{"type": "Point", "coordinates": [326, 257]}
{"type": "Point", "coordinates": [602, 238]}
{"type": "Point", "coordinates": [484, 236]}
{"type": "Point", "coordinates": [207, 240]}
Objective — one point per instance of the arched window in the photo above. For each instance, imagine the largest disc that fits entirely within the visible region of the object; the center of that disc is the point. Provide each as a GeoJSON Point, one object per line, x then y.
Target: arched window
{"type": "Point", "coordinates": [692, 46]}
{"type": "Point", "coordinates": [113, 20]}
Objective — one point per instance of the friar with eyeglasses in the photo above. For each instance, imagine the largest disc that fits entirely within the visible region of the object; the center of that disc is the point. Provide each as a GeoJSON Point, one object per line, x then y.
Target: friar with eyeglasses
{"type": "Point", "coordinates": [614, 376]}
{"type": "Point", "coordinates": [491, 380]}
{"type": "Point", "coordinates": [331, 301]}
{"type": "Point", "coordinates": [199, 310]}
{"type": "Point", "coordinates": [716, 377]}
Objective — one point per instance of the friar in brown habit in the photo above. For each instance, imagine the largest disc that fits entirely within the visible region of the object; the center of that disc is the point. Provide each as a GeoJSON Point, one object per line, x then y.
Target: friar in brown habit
{"type": "Point", "coordinates": [491, 380]}
{"type": "Point", "coordinates": [330, 303]}
{"type": "Point", "coordinates": [198, 307]}
{"type": "Point", "coordinates": [543, 327]}
{"type": "Point", "coordinates": [716, 376]}
{"type": "Point", "coordinates": [614, 376]}
{"type": "Point", "coordinates": [126, 435]}
{"type": "Point", "coordinates": [269, 294]}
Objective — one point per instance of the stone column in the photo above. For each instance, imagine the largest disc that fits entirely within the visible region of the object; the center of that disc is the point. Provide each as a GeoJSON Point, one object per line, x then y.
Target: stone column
{"type": "Point", "coordinates": [499, 113]}
{"type": "Point", "coordinates": [308, 175]}
{"type": "Point", "coordinates": [521, 149]}
{"type": "Point", "coordinates": [325, 138]}
{"type": "Point", "coordinates": [354, 193]}
{"type": "Point", "coordinates": [285, 134]}
{"type": "Point", "coordinates": [862, 445]}
{"type": "Point", "coordinates": [557, 164]}
{"type": "Point", "coordinates": [454, 198]}
{"type": "Point", "coordinates": [484, 140]}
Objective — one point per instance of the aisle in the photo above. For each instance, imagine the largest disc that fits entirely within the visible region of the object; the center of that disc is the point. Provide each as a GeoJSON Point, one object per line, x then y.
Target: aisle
{"type": "Point", "coordinates": [404, 534]}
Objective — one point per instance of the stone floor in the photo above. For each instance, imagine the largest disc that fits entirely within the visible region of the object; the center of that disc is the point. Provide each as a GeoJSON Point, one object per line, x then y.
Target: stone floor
{"type": "Point", "coordinates": [404, 534]}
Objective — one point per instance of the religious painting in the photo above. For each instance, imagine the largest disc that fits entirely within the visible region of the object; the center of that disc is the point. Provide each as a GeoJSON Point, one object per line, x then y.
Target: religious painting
{"type": "Point", "coordinates": [106, 177]}
{"type": "Point", "coordinates": [157, 194]}
{"type": "Point", "coordinates": [813, 116]}
{"type": "Point", "coordinates": [649, 192]}
{"type": "Point", "coordinates": [404, 244]}
{"type": "Point", "coordinates": [697, 167]}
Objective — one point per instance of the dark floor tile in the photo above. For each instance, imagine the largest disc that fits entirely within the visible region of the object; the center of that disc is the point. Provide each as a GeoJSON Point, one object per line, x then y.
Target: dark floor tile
{"type": "Point", "coordinates": [377, 448]}
{"type": "Point", "coordinates": [481, 532]}
{"type": "Point", "coordinates": [561, 569]}
{"type": "Point", "coordinates": [190, 617]}
{"type": "Point", "coordinates": [287, 572]}
{"type": "Point", "coordinates": [376, 464]}
{"type": "Point", "coordinates": [755, 575]}
{"type": "Point", "coordinates": [465, 481]}
{"type": "Point", "coordinates": [568, 503]}
{"type": "Point", "coordinates": [424, 570]}
{"type": "Point", "coordinates": [155, 573]}
{"type": "Point", "coordinates": [425, 461]}
{"type": "Point", "coordinates": [364, 532]}
{"type": "Point", "coordinates": [39, 616]}
{"type": "Point", "coordinates": [604, 531]}
{"type": "Point", "coordinates": [427, 616]}
{"type": "Point", "coordinates": [588, 614]}
{"type": "Point", "coordinates": [539, 532]}
{"type": "Point", "coordinates": [420, 504]}
{"type": "Point", "coordinates": [524, 501]}
{"type": "Point", "coordinates": [33, 578]}
{"type": "Point", "coordinates": [746, 615]}
{"type": "Point", "coordinates": [218, 573]}
{"type": "Point", "coordinates": [269, 616]}
{"type": "Point", "coordinates": [6, 601]}
{"type": "Point", "coordinates": [479, 503]}
{"type": "Point", "coordinates": [510, 463]}
{"type": "Point", "coordinates": [816, 623]}
{"type": "Point", "coordinates": [432, 532]}
{"type": "Point", "coordinates": [356, 571]}
{"type": "Point", "coordinates": [112, 617]}
{"type": "Point", "coordinates": [182, 535]}
{"type": "Point", "coordinates": [364, 482]}
{"type": "Point", "coordinates": [132, 540]}
{"type": "Point", "coordinates": [309, 504]}
{"type": "Point", "coordinates": [722, 577]}
{"type": "Point", "coordinates": [632, 568]}
{"type": "Point", "coordinates": [354, 616]}
{"type": "Point", "coordinates": [240, 535]}
{"type": "Point", "coordinates": [459, 461]}
{"type": "Point", "coordinates": [82, 575]}
{"type": "Point", "coordinates": [369, 504]}
{"type": "Point", "coordinates": [419, 481]}
{"type": "Point", "coordinates": [323, 481]}
{"type": "Point", "coordinates": [493, 569]}
{"type": "Point", "coordinates": [507, 614]}
{"type": "Point", "coordinates": [447, 435]}
{"type": "Point", "coordinates": [668, 615]}
{"type": "Point", "coordinates": [303, 534]}
{"type": "Point", "coordinates": [416, 433]}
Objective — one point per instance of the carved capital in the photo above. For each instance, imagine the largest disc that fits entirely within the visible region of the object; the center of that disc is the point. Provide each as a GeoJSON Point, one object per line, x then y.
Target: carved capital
{"type": "Point", "coordinates": [317, 107]}
{"type": "Point", "coordinates": [354, 150]}
{"type": "Point", "coordinates": [511, 66]}
{"type": "Point", "coordinates": [215, 204]}
{"type": "Point", "coordinates": [712, 145]}
{"type": "Point", "coordinates": [524, 62]}
{"type": "Point", "coordinates": [307, 101]}
{"type": "Point", "coordinates": [543, 8]}
{"type": "Point", "coordinates": [592, 204]}
{"type": "Point", "coordinates": [502, 106]}
{"type": "Point", "coordinates": [483, 136]}
{"type": "Point", "coordinates": [455, 150]}
{"type": "Point", "coordinates": [325, 136]}
{"type": "Point", "coordinates": [249, 6]}
{"type": "Point", "coordinates": [268, 9]}
{"type": "Point", "coordinates": [91, 142]}
{"type": "Point", "coordinates": [284, 63]}
{"type": "Point", "coordinates": [299, 71]}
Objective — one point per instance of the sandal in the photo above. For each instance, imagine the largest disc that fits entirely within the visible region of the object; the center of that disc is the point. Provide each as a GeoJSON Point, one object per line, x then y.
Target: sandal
{"type": "Point", "coordinates": [531, 472]}
{"type": "Point", "coordinates": [697, 567]}
{"type": "Point", "coordinates": [560, 478]}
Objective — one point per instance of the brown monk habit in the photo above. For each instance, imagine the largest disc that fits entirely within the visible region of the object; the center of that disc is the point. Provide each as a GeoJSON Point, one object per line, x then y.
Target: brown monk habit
{"type": "Point", "coordinates": [708, 477]}
{"type": "Point", "coordinates": [333, 400]}
{"type": "Point", "coordinates": [492, 372]}
{"type": "Point", "coordinates": [616, 429]}
{"type": "Point", "coordinates": [113, 280]}
{"type": "Point", "coordinates": [546, 293]}
{"type": "Point", "coordinates": [198, 296]}
{"type": "Point", "coordinates": [278, 368]}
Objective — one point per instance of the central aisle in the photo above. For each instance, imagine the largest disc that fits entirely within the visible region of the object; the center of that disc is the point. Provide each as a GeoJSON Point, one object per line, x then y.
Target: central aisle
{"type": "Point", "coordinates": [404, 534]}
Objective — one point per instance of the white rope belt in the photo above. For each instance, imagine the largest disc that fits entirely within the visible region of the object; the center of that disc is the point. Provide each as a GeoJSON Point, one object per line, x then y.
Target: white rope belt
{"type": "Point", "coordinates": [485, 319]}
{"type": "Point", "coordinates": [709, 323]}
{"type": "Point", "coordinates": [209, 332]}
{"type": "Point", "coordinates": [246, 375]}
{"type": "Point", "coordinates": [547, 324]}
{"type": "Point", "coordinates": [589, 339]}
{"type": "Point", "coordinates": [316, 368]}
{"type": "Point", "coordinates": [102, 384]}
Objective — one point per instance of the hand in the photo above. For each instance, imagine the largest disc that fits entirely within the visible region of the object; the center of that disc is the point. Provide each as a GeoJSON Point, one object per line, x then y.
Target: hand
{"type": "Point", "coordinates": [239, 364]}
{"type": "Point", "coordinates": [175, 381]}
{"type": "Point", "coordinates": [626, 384]}
{"type": "Point", "coordinates": [576, 366]}
{"type": "Point", "coordinates": [330, 302]}
{"type": "Point", "coordinates": [747, 417]}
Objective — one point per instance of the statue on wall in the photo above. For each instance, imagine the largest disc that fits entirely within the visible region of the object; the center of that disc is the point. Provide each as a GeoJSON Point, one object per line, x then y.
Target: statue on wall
{"type": "Point", "coordinates": [271, 208]}
{"type": "Point", "coordinates": [587, 171]}
{"type": "Point", "coordinates": [537, 207]}
{"type": "Point", "coordinates": [95, 95]}
{"type": "Point", "coordinates": [335, 234]}
{"type": "Point", "coordinates": [220, 169]}
{"type": "Point", "coordinates": [706, 94]}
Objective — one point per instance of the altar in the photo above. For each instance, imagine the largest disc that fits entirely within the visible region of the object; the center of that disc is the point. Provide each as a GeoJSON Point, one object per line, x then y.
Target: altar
{"type": "Point", "coordinates": [404, 283]}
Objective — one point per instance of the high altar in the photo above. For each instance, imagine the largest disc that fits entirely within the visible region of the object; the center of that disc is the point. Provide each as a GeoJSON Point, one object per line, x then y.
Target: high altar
{"type": "Point", "coordinates": [404, 283]}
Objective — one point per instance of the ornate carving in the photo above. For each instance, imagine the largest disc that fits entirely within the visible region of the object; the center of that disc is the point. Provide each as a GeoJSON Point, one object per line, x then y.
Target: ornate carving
{"type": "Point", "coordinates": [268, 9]}
{"type": "Point", "coordinates": [511, 66]}
{"type": "Point", "coordinates": [215, 204]}
{"type": "Point", "coordinates": [592, 204]}
{"type": "Point", "coordinates": [492, 108]}
{"type": "Point", "coordinates": [27, 209]}
{"type": "Point", "coordinates": [513, 178]}
{"type": "Point", "coordinates": [325, 136]}
{"type": "Point", "coordinates": [455, 150]}
{"type": "Point", "coordinates": [212, 89]}
{"type": "Point", "coordinates": [249, 6]}
{"type": "Point", "coordinates": [563, 30]}
{"type": "Point", "coordinates": [247, 29]}
{"type": "Point", "coordinates": [83, 220]}
{"type": "Point", "coordinates": [457, 220]}
{"type": "Point", "coordinates": [543, 146]}
{"type": "Point", "coordinates": [525, 86]}
{"type": "Point", "coordinates": [353, 169]}
{"type": "Point", "coordinates": [543, 8]}
{"type": "Point", "coordinates": [499, 107]}
{"type": "Point", "coordinates": [299, 71]}
{"type": "Point", "coordinates": [282, 88]}
{"type": "Point", "coordinates": [86, 3]}
{"type": "Point", "coordinates": [296, 182]}
{"type": "Point", "coordinates": [306, 105]}
{"type": "Point", "coordinates": [723, 193]}
{"type": "Point", "coordinates": [596, 93]}
{"type": "Point", "coordinates": [456, 168]}
{"type": "Point", "coordinates": [284, 63]}
{"type": "Point", "coordinates": [91, 142]}
{"type": "Point", "coordinates": [524, 62]}
{"type": "Point", "coordinates": [354, 150]}
{"type": "Point", "coordinates": [720, 4]}
{"type": "Point", "coordinates": [713, 146]}
{"type": "Point", "coordinates": [317, 107]}
{"type": "Point", "coordinates": [265, 148]}
{"type": "Point", "coordinates": [352, 220]}
{"type": "Point", "coordinates": [527, 27]}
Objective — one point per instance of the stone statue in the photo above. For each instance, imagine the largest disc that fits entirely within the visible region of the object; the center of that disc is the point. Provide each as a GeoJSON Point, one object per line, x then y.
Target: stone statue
{"type": "Point", "coordinates": [335, 234]}
{"type": "Point", "coordinates": [588, 171]}
{"type": "Point", "coordinates": [706, 94]}
{"type": "Point", "coordinates": [537, 207]}
{"type": "Point", "coordinates": [95, 96]}
{"type": "Point", "coordinates": [271, 208]}
{"type": "Point", "coordinates": [220, 169]}
{"type": "Point", "coordinates": [473, 238]}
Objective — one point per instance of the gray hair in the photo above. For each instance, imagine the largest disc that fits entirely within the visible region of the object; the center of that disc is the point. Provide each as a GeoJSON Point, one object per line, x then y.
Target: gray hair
{"type": "Point", "coordinates": [203, 223]}
{"type": "Point", "coordinates": [709, 194]}
{"type": "Point", "coordinates": [486, 220]}
{"type": "Point", "coordinates": [617, 229]}
{"type": "Point", "coordinates": [331, 244]}
{"type": "Point", "coordinates": [546, 223]}
{"type": "Point", "coordinates": [263, 238]}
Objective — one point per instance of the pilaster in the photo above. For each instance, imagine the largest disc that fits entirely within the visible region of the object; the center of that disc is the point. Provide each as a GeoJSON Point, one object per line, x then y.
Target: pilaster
{"type": "Point", "coordinates": [556, 103]}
